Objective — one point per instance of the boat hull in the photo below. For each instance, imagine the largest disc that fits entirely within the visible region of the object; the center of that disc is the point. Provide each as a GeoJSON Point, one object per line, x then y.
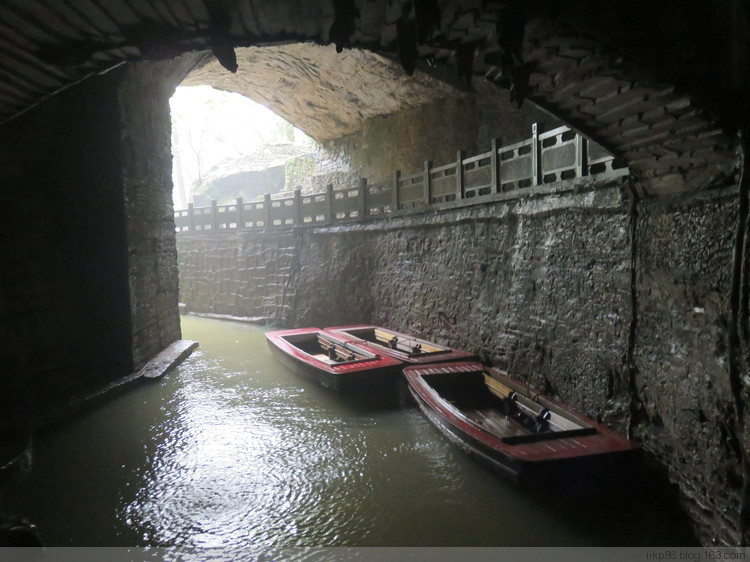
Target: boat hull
{"type": "Point", "coordinates": [374, 374]}
{"type": "Point", "coordinates": [502, 464]}
{"type": "Point", "coordinates": [529, 461]}
{"type": "Point", "coordinates": [359, 334]}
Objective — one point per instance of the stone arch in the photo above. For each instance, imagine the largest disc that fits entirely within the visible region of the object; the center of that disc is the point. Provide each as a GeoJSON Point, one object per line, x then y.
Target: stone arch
{"type": "Point", "coordinates": [670, 141]}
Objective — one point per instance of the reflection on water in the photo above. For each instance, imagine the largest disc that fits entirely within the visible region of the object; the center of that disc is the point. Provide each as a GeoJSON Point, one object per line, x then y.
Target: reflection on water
{"type": "Point", "coordinates": [233, 450]}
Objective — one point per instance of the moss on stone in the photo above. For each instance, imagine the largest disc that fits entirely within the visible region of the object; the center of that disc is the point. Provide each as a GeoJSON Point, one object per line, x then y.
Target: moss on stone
{"type": "Point", "coordinates": [297, 170]}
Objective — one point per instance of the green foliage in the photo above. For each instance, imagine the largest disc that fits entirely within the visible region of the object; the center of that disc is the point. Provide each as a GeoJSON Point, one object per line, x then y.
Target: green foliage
{"type": "Point", "coordinates": [285, 130]}
{"type": "Point", "coordinates": [297, 170]}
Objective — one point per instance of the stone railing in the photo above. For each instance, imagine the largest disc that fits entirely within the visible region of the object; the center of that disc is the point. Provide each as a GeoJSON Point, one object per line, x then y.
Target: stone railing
{"type": "Point", "coordinates": [538, 165]}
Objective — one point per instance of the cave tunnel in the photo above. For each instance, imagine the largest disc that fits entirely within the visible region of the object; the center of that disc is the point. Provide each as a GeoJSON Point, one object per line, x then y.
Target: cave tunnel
{"type": "Point", "coordinates": [89, 285]}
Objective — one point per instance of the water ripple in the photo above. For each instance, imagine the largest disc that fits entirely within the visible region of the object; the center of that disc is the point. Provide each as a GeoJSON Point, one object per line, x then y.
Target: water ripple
{"type": "Point", "coordinates": [251, 463]}
{"type": "Point", "coordinates": [231, 450]}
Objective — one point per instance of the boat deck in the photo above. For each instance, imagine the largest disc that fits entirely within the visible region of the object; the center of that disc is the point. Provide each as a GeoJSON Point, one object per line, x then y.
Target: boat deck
{"type": "Point", "coordinates": [496, 423]}
{"type": "Point", "coordinates": [406, 348]}
{"type": "Point", "coordinates": [332, 362]}
{"type": "Point", "coordinates": [505, 417]}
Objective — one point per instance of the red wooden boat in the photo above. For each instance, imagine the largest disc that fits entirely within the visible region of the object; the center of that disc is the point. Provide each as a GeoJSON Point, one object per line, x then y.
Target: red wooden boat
{"type": "Point", "coordinates": [509, 426]}
{"type": "Point", "coordinates": [400, 346]}
{"type": "Point", "coordinates": [333, 362]}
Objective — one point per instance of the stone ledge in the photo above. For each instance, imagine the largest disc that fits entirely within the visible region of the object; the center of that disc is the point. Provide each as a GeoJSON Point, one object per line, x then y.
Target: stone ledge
{"type": "Point", "coordinates": [167, 360]}
{"type": "Point", "coordinates": [15, 449]}
{"type": "Point", "coordinates": [156, 368]}
{"type": "Point", "coordinates": [229, 317]}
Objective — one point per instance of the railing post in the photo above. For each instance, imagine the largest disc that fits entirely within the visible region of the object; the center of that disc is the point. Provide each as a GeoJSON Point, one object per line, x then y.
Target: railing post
{"type": "Point", "coordinates": [428, 182]}
{"type": "Point", "coordinates": [535, 159]}
{"type": "Point", "coordinates": [329, 198]}
{"type": "Point", "coordinates": [459, 175]}
{"type": "Point", "coordinates": [362, 196]}
{"type": "Point", "coordinates": [240, 213]}
{"type": "Point", "coordinates": [395, 194]}
{"type": "Point", "coordinates": [267, 205]}
{"type": "Point", "coordinates": [581, 155]}
{"type": "Point", "coordinates": [494, 162]}
{"type": "Point", "coordinates": [214, 214]}
{"type": "Point", "coordinates": [298, 206]}
{"type": "Point", "coordinates": [191, 217]}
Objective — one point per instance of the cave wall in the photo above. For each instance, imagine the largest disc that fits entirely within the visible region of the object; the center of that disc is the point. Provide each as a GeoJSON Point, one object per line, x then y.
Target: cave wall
{"type": "Point", "coordinates": [146, 153]}
{"type": "Point", "coordinates": [64, 296]}
{"type": "Point", "coordinates": [240, 274]}
{"type": "Point", "coordinates": [88, 287]}
{"type": "Point", "coordinates": [684, 403]}
{"type": "Point", "coordinates": [434, 131]}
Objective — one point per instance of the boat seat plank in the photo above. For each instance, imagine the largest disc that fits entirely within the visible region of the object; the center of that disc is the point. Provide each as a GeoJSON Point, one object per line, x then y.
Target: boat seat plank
{"type": "Point", "coordinates": [387, 337]}
{"type": "Point", "coordinates": [530, 407]}
{"type": "Point", "coordinates": [380, 334]}
{"type": "Point", "coordinates": [563, 423]}
{"type": "Point", "coordinates": [503, 391]}
{"type": "Point", "coordinates": [342, 352]}
{"type": "Point", "coordinates": [497, 388]}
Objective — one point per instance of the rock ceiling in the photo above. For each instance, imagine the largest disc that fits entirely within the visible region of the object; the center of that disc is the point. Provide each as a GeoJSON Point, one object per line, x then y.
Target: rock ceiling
{"type": "Point", "coordinates": [324, 93]}
{"type": "Point", "coordinates": [635, 76]}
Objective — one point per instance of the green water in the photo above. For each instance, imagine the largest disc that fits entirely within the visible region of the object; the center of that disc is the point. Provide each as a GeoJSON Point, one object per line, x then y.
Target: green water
{"type": "Point", "coordinates": [233, 450]}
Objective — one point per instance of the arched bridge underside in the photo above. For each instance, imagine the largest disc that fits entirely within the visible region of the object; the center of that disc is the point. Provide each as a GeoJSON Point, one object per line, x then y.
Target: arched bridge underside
{"type": "Point", "coordinates": [670, 143]}
{"type": "Point", "coordinates": [656, 112]}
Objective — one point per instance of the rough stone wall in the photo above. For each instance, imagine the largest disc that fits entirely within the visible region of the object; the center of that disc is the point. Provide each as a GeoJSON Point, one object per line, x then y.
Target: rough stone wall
{"type": "Point", "coordinates": [333, 280]}
{"type": "Point", "coordinates": [401, 141]}
{"type": "Point", "coordinates": [64, 306]}
{"type": "Point", "coordinates": [682, 383]}
{"type": "Point", "coordinates": [498, 117]}
{"type": "Point", "coordinates": [434, 131]}
{"type": "Point", "coordinates": [147, 184]}
{"type": "Point", "coordinates": [541, 286]}
{"type": "Point", "coordinates": [88, 287]}
{"type": "Point", "coordinates": [242, 274]}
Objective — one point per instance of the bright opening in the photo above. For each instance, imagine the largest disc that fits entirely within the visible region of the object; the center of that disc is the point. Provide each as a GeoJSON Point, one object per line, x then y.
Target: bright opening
{"type": "Point", "coordinates": [225, 146]}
